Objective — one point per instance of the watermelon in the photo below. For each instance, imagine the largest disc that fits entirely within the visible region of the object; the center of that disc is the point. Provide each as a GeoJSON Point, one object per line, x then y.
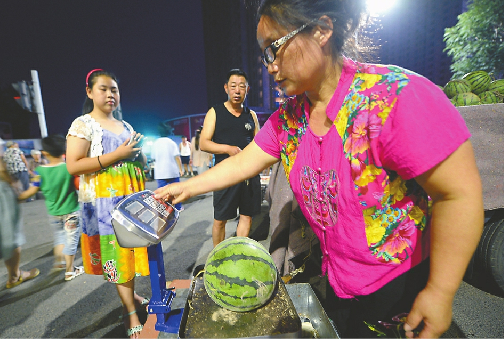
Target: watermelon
{"type": "Point", "coordinates": [240, 274]}
{"type": "Point", "coordinates": [490, 97]}
{"type": "Point", "coordinates": [497, 86]}
{"type": "Point", "coordinates": [466, 99]}
{"type": "Point", "coordinates": [454, 87]}
{"type": "Point", "coordinates": [478, 80]}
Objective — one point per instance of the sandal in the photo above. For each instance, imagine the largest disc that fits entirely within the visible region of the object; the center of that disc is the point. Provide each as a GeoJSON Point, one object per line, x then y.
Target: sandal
{"type": "Point", "coordinates": [144, 302]}
{"type": "Point", "coordinates": [133, 330]}
{"type": "Point", "coordinates": [58, 267]}
{"type": "Point", "coordinates": [71, 275]}
{"type": "Point", "coordinates": [32, 274]}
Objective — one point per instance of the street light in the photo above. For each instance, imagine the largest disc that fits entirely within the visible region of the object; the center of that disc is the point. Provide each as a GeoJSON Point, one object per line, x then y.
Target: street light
{"type": "Point", "coordinates": [379, 7]}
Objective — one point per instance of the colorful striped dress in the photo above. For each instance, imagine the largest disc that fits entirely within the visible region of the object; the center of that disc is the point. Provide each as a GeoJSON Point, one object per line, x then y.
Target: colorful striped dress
{"type": "Point", "coordinates": [99, 192]}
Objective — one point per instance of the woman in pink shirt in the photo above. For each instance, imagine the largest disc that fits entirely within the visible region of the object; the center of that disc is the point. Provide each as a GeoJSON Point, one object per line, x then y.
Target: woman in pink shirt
{"type": "Point", "coordinates": [379, 161]}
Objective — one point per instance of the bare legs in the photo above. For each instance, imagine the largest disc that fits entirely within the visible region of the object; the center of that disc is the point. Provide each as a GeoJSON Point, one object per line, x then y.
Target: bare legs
{"type": "Point", "coordinates": [13, 265]}
{"type": "Point", "coordinates": [59, 258]}
{"type": "Point", "coordinates": [69, 260]}
{"type": "Point", "coordinates": [219, 228]}
{"type": "Point", "coordinates": [188, 170]}
{"type": "Point", "coordinates": [218, 231]}
{"type": "Point", "coordinates": [15, 275]}
{"type": "Point", "coordinates": [127, 295]}
{"type": "Point", "coordinates": [244, 224]}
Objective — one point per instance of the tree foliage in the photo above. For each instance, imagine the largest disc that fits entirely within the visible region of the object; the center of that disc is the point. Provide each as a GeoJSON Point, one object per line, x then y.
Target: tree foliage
{"type": "Point", "coordinates": [476, 42]}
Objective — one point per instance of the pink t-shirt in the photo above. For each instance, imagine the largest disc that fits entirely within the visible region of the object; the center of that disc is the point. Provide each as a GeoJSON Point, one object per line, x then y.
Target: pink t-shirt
{"type": "Point", "coordinates": [355, 184]}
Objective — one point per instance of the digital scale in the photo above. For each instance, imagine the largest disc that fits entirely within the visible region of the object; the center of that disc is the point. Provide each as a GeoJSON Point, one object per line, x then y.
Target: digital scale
{"type": "Point", "coordinates": [140, 220]}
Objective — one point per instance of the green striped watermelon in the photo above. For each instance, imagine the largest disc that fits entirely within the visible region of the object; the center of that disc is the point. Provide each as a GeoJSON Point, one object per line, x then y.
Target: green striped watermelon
{"type": "Point", "coordinates": [490, 97]}
{"type": "Point", "coordinates": [497, 86]}
{"type": "Point", "coordinates": [454, 87]}
{"type": "Point", "coordinates": [466, 99]}
{"type": "Point", "coordinates": [479, 81]}
{"type": "Point", "coordinates": [240, 274]}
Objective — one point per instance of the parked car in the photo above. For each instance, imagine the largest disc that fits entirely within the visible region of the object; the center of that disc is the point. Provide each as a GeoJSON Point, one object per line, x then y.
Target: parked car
{"type": "Point", "coordinates": [486, 123]}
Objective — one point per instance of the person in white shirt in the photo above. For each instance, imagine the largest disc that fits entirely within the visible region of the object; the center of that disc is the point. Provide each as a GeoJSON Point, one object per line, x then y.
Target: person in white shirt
{"type": "Point", "coordinates": [200, 159]}
{"type": "Point", "coordinates": [185, 156]}
{"type": "Point", "coordinates": [168, 166]}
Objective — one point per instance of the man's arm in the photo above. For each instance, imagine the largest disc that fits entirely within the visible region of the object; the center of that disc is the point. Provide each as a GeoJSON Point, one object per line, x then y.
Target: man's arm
{"type": "Point", "coordinates": [23, 158]}
{"type": "Point", "coordinates": [228, 172]}
{"type": "Point", "coordinates": [179, 163]}
{"type": "Point", "coordinates": [207, 133]}
{"type": "Point", "coordinates": [256, 121]}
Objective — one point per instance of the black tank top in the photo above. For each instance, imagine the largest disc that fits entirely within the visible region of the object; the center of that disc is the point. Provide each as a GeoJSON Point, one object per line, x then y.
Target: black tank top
{"type": "Point", "coordinates": [232, 130]}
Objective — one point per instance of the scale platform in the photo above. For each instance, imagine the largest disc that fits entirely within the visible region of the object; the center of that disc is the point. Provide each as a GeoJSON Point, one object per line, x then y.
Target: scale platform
{"type": "Point", "coordinates": [307, 308]}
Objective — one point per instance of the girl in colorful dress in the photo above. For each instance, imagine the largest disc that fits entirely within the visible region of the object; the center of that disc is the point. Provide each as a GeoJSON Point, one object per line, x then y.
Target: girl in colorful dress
{"type": "Point", "coordinates": [104, 152]}
{"type": "Point", "coordinates": [380, 164]}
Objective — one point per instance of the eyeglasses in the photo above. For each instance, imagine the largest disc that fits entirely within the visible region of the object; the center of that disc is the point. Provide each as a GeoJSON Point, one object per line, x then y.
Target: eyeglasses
{"type": "Point", "coordinates": [269, 54]}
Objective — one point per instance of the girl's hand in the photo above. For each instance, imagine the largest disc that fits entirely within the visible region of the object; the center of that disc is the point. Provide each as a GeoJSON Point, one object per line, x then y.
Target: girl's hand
{"type": "Point", "coordinates": [129, 149]}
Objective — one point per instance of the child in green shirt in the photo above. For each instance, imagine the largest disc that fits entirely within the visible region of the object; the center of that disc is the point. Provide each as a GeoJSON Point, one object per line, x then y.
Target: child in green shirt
{"type": "Point", "coordinates": [61, 201]}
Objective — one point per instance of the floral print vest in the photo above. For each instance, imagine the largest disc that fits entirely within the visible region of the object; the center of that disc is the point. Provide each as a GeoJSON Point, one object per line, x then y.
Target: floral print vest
{"type": "Point", "coordinates": [395, 211]}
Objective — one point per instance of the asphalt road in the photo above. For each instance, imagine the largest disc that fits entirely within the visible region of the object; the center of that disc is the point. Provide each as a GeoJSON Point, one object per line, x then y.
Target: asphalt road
{"type": "Point", "coordinates": [89, 306]}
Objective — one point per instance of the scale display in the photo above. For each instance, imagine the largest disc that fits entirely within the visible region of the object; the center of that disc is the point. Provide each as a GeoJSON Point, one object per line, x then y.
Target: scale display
{"type": "Point", "coordinates": [140, 220]}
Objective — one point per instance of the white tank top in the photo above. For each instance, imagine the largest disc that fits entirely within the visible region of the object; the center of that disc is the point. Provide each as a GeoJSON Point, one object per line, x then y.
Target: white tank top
{"type": "Point", "coordinates": [185, 150]}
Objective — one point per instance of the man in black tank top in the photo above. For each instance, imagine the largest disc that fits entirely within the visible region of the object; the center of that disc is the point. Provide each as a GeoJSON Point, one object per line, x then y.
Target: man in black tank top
{"type": "Point", "coordinates": [227, 129]}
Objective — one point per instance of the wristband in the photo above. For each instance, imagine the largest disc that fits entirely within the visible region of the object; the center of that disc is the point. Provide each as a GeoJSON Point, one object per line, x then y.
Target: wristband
{"type": "Point", "coordinates": [100, 163]}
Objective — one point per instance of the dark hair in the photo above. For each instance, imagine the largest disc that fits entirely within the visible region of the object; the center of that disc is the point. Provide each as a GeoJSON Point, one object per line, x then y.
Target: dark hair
{"type": "Point", "coordinates": [196, 139]}
{"type": "Point", "coordinates": [345, 14]}
{"type": "Point", "coordinates": [91, 81]}
{"type": "Point", "coordinates": [236, 71]}
{"type": "Point", "coordinates": [54, 144]}
{"type": "Point", "coordinates": [163, 130]}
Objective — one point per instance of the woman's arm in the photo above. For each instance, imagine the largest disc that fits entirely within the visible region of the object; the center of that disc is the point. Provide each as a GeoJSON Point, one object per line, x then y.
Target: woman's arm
{"type": "Point", "coordinates": [79, 163]}
{"type": "Point", "coordinates": [246, 164]}
{"type": "Point", "coordinates": [456, 225]}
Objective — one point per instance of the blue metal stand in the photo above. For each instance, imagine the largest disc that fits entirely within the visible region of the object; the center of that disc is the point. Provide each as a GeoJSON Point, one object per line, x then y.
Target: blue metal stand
{"type": "Point", "coordinates": [168, 320]}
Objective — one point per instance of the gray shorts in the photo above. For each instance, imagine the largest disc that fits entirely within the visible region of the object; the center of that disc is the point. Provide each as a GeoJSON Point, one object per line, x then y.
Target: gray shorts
{"type": "Point", "coordinates": [67, 231]}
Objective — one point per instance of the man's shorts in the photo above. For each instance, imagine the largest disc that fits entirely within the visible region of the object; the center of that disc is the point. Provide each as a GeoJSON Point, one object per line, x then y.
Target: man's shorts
{"type": "Point", "coordinates": [246, 196]}
{"type": "Point", "coordinates": [185, 159]}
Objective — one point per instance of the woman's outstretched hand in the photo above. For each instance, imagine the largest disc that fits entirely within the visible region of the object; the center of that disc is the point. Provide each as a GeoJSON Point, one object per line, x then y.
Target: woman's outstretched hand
{"type": "Point", "coordinates": [129, 149]}
{"type": "Point", "coordinates": [173, 193]}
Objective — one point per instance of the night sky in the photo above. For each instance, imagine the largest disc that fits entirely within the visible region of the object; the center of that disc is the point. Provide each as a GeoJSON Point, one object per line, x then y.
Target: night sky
{"type": "Point", "coordinates": [155, 48]}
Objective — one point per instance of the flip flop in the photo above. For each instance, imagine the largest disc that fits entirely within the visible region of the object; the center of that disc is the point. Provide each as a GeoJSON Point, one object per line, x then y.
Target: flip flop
{"type": "Point", "coordinates": [133, 330]}
{"type": "Point", "coordinates": [144, 302]}
{"type": "Point", "coordinates": [33, 273]}
{"type": "Point", "coordinates": [71, 275]}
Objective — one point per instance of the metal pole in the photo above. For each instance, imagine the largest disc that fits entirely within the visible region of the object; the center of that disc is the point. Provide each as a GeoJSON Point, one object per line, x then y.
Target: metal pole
{"type": "Point", "coordinates": [39, 106]}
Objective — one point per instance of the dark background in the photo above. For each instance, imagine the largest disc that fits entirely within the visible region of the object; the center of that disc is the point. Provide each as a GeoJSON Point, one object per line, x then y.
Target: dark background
{"type": "Point", "coordinates": [155, 49]}
{"type": "Point", "coordinates": [171, 56]}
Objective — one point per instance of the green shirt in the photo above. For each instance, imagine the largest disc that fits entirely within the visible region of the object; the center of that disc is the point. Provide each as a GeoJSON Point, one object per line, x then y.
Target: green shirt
{"type": "Point", "coordinates": [58, 188]}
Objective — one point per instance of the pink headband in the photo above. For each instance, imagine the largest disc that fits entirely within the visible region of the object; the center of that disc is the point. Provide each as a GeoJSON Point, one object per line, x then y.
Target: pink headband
{"type": "Point", "coordinates": [87, 77]}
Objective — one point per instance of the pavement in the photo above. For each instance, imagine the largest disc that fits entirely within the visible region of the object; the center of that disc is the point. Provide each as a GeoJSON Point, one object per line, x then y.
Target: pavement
{"type": "Point", "coordinates": [88, 306]}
